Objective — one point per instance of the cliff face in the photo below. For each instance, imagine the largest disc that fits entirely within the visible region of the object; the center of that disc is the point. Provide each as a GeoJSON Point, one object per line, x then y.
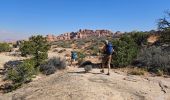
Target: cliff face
{"type": "Point", "coordinates": [81, 34]}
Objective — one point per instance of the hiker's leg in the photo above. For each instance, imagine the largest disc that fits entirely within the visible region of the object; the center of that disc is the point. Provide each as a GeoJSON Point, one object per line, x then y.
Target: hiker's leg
{"type": "Point", "coordinates": [71, 63]}
{"type": "Point", "coordinates": [102, 69]}
{"type": "Point", "coordinates": [74, 62]}
{"type": "Point", "coordinates": [103, 63]}
{"type": "Point", "coordinates": [108, 63]}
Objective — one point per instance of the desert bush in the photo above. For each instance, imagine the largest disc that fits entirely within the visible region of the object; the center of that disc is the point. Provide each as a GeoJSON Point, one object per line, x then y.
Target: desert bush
{"type": "Point", "coordinates": [67, 45]}
{"type": "Point", "coordinates": [80, 42]}
{"type": "Point", "coordinates": [88, 68]}
{"type": "Point", "coordinates": [63, 44]}
{"type": "Point", "coordinates": [155, 59]}
{"type": "Point", "coordinates": [165, 36]}
{"type": "Point", "coordinates": [37, 46]}
{"type": "Point", "coordinates": [81, 57]}
{"type": "Point", "coordinates": [126, 51]}
{"type": "Point", "coordinates": [5, 47]}
{"type": "Point", "coordinates": [11, 64]}
{"type": "Point", "coordinates": [136, 71]}
{"type": "Point", "coordinates": [93, 49]}
{"type": "Point", "coordinates": [140, 38]}
{"type": "Point", "coordinates": [52, 65]}
{"type": "Point", "coordinates": [22, 73]}
{"type": "Point", "coordinates": [26, 48]}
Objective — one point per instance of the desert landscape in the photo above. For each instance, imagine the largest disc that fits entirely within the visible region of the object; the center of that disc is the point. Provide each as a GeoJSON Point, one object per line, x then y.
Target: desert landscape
{"type": "Point", "coordinates": [84, 50]}
{"type": "Point", "coordinates": [72, 83]}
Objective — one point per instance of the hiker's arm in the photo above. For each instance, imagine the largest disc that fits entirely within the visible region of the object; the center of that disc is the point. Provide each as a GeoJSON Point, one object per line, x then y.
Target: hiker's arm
{"type": "Point", "coordinates": [103, 49]}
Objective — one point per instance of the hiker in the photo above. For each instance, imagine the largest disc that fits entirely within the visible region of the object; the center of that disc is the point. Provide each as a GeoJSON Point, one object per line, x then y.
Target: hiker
{"type": "Point", "coordinates": [73, 57]}
{"type": "Point", "coordinates": [107, 55]}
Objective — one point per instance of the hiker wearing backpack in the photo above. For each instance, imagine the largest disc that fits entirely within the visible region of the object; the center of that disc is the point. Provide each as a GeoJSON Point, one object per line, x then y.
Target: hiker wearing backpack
{"type": "Point", "coordinates": [107, 56]}
{"type": "Point", "coordinates": [73, 57]}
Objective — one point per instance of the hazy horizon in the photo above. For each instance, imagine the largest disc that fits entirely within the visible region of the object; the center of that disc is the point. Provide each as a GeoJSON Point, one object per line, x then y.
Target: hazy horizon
{"type": "Point", "coordinates": [20, 19]}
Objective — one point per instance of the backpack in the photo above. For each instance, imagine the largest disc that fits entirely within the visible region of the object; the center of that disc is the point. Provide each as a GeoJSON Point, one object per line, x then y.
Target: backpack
{"type": "Point", "coordinates": [109, 49]}
{"type": "Point", "coordinates": [74, 55]}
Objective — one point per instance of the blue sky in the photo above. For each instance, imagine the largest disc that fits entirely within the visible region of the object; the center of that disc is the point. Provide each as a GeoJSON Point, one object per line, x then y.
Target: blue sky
{"type": "Point", "coordinates": [22, 18]}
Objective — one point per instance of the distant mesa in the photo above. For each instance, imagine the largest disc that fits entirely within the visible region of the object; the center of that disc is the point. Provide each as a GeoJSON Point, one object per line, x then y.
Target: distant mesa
{"type": "Point", "coordinates": [81, 34]}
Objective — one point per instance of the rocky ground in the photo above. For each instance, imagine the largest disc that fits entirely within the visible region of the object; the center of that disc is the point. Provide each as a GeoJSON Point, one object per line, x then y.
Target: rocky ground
{"type": "Point", "coordinates": [74, 84]}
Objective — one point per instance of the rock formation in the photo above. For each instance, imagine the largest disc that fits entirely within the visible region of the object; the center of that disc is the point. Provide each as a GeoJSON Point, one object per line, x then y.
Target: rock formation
{"type": "Point", "coordinates": [81, 34]}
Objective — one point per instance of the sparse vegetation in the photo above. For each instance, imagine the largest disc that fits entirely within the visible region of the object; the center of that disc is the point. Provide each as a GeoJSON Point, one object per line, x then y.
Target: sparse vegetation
{"type": "Point", "coordinates": [37, 47]}
{"type": "Point", "coordinates": [155, 59]}
{"type": "Point", "coordinates": [5, 47]}
{"type": "Point", "coordinates": [80, 43]}
{"type": "Point", "coordinates": [136, 71]}
{"type": "Point", "coordinates": [81, 57]}
{"type": "Point", "coordinates": [63, 44]}
{"type": "Point", "coordinates": [52, 65]}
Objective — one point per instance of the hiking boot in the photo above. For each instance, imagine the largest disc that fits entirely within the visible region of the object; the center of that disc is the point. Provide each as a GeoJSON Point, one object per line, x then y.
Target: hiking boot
{"type": "Point", "coordinates": [102, 71]}
{"type": "Point", "coordinates": [108, 74]}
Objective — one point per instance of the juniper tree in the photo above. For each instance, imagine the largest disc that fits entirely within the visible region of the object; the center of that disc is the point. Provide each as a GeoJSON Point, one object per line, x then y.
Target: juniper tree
{"type": "Point", "coordinates": [37, 46]}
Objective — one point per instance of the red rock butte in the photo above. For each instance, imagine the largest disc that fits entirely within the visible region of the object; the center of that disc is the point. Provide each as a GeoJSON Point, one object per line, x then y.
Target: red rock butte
{"type": "Point", "coordinates": [81, 34]}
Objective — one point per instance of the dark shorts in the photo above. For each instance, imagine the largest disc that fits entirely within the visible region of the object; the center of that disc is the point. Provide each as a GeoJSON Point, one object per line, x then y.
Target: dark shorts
{"type": "Point", "coordinates": [107, 59]}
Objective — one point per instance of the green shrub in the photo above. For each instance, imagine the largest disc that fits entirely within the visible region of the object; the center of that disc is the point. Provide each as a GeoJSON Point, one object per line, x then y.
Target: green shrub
{"type": "Point", "coordinates": [5, 47]}
{"type": "Point", "coordinates": [52, 65]}
{"type": "Point", "coordinates": [165, 36]}
{"type": "Point", "coordinates": [37, 46]}
{"type": "Point", "coordinates": [155, 59]}
{"type": "Point", "coordinates": [140, 38]}
{"type": "Point", "coordinates": [126, 51]}
{"type": "Point", "coordinates": [26, 48]}
{"type": "Point", "coordinates": [160, 73]}
{"type": "Point", "coordinates": [81, 57]}
{"type": "Point", "coordinates": [80, 42]}
{"type": "Point", "coordinates": [93, 49]}
{"type": "Point", "coordinates": [22, 73]}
